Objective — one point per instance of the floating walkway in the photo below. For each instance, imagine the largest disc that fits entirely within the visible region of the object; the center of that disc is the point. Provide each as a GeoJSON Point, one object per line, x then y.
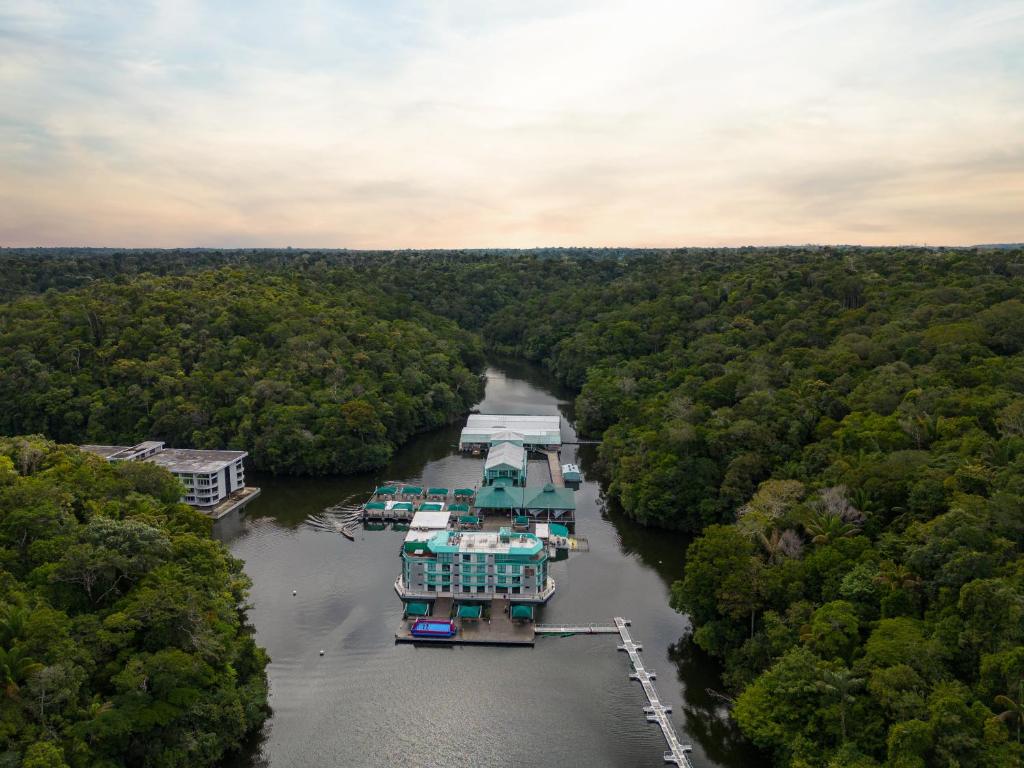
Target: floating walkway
{"type": "Point", "coordinates": [656, 711]}
{"type": "Point", "coordinates": [555, 467]}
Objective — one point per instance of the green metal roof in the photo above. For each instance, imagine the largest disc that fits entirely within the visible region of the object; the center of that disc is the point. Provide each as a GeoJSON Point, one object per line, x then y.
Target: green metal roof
{"type": "Point", "coordinates": [386, 490]}
{"type": "Point", "coordinates": [437, 491]}
{"type": "Point", "coordinates": [417, 609]}
{"type": "Point", "coordinates": [415, 490]}
{"type": "Point", "coordinates": [521, 612]}
{"type": "Point", "coordinates": [549, 497]}
{"type": "Point", "coordinates": [499, 497]}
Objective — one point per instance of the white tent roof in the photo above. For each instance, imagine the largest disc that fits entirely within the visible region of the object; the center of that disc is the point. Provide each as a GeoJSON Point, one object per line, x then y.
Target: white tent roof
{"type": "Point", "coordinates": [506, 453]}
{"type": "Point", "coordinates": [428, 519]}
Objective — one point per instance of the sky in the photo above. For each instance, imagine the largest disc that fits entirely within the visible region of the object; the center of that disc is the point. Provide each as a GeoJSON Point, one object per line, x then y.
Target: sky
{"type": "Point", "coordinates": [523, 123]}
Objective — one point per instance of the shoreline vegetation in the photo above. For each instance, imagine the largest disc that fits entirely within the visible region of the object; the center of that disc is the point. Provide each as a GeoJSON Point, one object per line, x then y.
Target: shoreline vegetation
{"type": "Point", "coordinates": [841, 429]}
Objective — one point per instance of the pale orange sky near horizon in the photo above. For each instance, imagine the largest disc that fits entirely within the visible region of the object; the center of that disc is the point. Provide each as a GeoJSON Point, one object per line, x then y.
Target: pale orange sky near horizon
{"type": "Point", "coordinates": [498, 124]}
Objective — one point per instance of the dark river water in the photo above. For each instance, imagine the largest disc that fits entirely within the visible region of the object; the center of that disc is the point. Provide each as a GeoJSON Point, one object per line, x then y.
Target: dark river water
{"type": "Point", "coordinates": [370, 702]}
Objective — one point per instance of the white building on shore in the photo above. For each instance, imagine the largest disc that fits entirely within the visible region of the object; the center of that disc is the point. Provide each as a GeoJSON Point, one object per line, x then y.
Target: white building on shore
{"type": "Point", "coordinates": [532, 432]}
{"type": "Point", "coordinates": [214, 480]}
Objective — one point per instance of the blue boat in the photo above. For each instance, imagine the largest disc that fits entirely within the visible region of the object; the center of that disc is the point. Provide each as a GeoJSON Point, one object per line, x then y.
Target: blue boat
{"type": "Point", "coordinates": [433, 628]}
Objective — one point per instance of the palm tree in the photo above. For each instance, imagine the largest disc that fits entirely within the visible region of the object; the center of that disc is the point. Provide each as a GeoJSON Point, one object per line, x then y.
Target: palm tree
{"type": "Point", "coordinates": [839, 684]}
{"type": "Point", "coordinates": [15, 667]}
{"type": "Point", "coordinates": [825, 528]}
{"type": "Point", "coordinates": [897, 576]}
{"type": "Point", "coordinates": [1013, 711]}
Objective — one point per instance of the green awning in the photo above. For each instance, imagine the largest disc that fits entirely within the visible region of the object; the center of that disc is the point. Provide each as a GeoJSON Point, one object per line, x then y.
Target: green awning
{"type": "Point", "coordinates": [437, 491]}
{"type": "Point", "coordinates": [469, 520]}
{"type": "Point", "coordinates": [417, 609]}
{"type": "Point", "coordinates": [522, 612]}
{"type": "Point", "coordinates": [464, 491]}
{"type": "Point", "coordinates": [376, 505]}
{"type": "Point", "coordinates": [470, 611]}
{"type": "Point", "coordinates": [386, 490]}
{"type": "Point", "coordinates": [458, 507]}
{"type": "Point", "coordinates": [556, 529]}
{"type": "Point", "coordinates": [412, 490]}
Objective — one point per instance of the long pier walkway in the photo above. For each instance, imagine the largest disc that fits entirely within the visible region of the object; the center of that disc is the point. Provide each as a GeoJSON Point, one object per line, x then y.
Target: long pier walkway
{"type": "Point", "coordinates": [656, 711]}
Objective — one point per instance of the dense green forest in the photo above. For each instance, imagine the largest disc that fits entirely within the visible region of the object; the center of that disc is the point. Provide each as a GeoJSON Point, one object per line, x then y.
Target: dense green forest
{"type": "Point", "coordinates": [310, 377]}
{"type": "Point", "coordinates": [123, 637]}
{"type": "Point", "coordinates": [842, 429]}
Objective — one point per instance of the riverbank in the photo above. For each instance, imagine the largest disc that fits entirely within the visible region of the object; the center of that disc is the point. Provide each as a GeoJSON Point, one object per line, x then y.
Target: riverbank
{"type": "Point", "coordinates": [370, 702]}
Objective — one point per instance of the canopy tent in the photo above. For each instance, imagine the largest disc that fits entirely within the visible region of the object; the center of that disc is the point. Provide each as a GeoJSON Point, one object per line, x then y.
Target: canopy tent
{"type": "Point", "coordinates": [437, 491]}
{"type": "Point", "coordinates": [373, 505]}
{"type": "Point", "coordinates": [458, 507]}
{"type": "Point", "coordinates": [432, 506]}
{"type": "Point", "coordinates": [558, 529]}
{"type": "Point", "coordinates": [464, 491]}
{"type": "Point", "coordinates": [470, 611]}
{"type": "Point", "coordinates": [402, 506]}
{"type": "Point", "coordinates": [412, 490]}
{"type": "Point", "coordinates": [522, 612]}
{"type": "Point", "coordinates": [386, 490]}
{"type": "Point", "coordinates": [469, 520]}
{"type": "Point", "coordinates": [417, 609]}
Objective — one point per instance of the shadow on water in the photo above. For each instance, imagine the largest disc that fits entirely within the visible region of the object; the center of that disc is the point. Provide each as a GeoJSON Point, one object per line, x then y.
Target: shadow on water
{"type": "Point", "coordinates": [366, 701]}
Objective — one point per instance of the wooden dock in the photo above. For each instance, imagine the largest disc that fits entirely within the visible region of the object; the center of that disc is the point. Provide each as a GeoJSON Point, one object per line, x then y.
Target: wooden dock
{"type": "Point", "coordinates": [499, 629]}
{"type": "Point", "coordinates": [555, 467]}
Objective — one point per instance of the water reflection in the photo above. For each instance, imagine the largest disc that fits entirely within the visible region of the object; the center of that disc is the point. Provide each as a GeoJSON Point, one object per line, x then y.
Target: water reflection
{"type": "Point", "coordinates": [370, 702]}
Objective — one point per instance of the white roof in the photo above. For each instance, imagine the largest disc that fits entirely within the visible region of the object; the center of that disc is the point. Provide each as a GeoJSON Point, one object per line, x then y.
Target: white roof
{"type": "Point", "coordinates": [542, 530]}
{"type": "Point", "coordinates": [542, 430]}
{"type": "Point", "coordinates": [430, 520]}
{"type": "Point", "coordinates": [506, 453]}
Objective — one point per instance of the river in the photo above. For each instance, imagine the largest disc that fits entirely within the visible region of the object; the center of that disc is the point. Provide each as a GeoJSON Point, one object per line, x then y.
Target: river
{"type": "Point", "coordinates": [370, 702]}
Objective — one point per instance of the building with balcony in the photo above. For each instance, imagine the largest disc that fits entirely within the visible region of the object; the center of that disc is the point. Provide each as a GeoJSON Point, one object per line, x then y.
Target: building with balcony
{"type": "Point", "coordinates": [476, 565]}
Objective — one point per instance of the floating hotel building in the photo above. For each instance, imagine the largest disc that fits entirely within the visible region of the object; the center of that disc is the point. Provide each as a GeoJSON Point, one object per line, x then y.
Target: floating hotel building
{"type": "Point", "coordinates": [483, 430]}
{"type": "Point", "coordinates": [475, 566]}
{"type": "Point", "coordinates": [214, 480]}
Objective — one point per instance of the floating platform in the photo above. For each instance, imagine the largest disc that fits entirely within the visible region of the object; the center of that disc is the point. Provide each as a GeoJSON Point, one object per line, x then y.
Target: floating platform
{"type": "Point", "coordinates": [498, 630]}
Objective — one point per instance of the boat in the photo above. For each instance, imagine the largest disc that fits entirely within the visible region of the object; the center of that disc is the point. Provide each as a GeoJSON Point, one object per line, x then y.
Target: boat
{"type": "Point", "coordinates": [442, 628]}
{"type": "Point", "coordinates": [347, 533]}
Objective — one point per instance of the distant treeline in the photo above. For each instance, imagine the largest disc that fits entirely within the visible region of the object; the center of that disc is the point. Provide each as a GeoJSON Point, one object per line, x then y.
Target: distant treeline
{"type": "Point", "coordinates": [843, 426]}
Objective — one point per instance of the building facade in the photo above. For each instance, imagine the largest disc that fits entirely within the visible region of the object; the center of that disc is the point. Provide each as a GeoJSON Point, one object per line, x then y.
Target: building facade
{"type": "Point", "coordinates": [476, 566]}
{"type": "Point", "coordinates": [505, 462]}
{"type": "Point", "coordinates": [209, 477]}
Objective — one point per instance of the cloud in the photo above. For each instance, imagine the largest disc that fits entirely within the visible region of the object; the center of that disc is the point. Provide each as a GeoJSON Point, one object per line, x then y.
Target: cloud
{"type": "Point", "coordinates": [436, 124]}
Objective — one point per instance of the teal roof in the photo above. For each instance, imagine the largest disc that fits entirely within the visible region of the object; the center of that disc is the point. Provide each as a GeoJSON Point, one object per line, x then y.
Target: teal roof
{"type": "Point", "coordinates": [522, 520]}
{"type": "Point", "coordinates": [376, 505]}
{"type": "Point", "coordinates": [437, 491]}
{"type": "Point", "coordinates": [405, 506]}
{"type": "Point", "coordinates": [464, 491]}
{"type": "Point", "coordinates": [522, 612]}
{"type": "Point", "coordinates": [470, 611]}
{"type": "Point", "coordinates": [499, 497]}
{"type": "Point", "coordinates": [549, 497]}
{"type": "Point", "coordinates": [415, 490]}
{"type": "Point", "coordinates": [386, 490]}
{"type": "Point", "coordinates": [556, 529]}
{"type": "Point", "coordinates": [417, 609]}
{"type": "Point", "coordinates": [469, 519]}
{"type": "Point", "coordinates": [458, 507]}
{"type": "Point", "coordinates": [432, 506]}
